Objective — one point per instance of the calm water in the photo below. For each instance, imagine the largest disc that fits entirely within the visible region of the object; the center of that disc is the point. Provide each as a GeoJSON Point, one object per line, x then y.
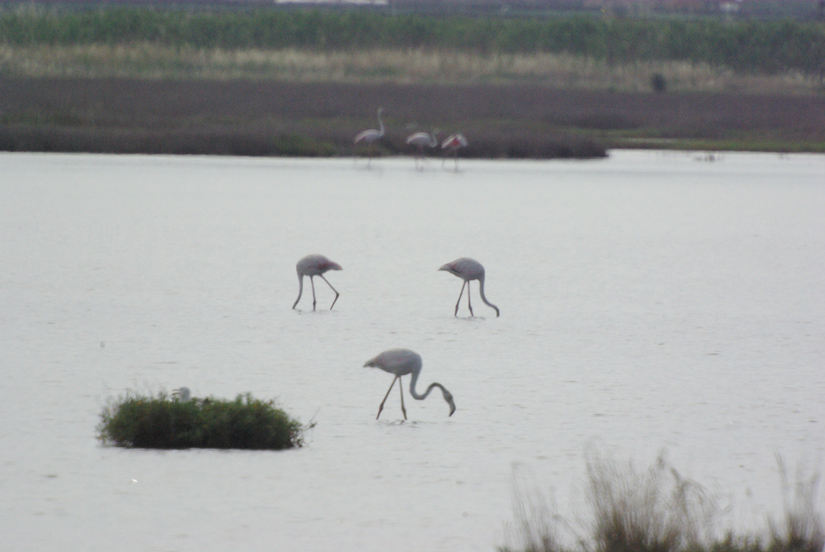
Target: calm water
{"type": "Point", "coordinates": [650, 302]}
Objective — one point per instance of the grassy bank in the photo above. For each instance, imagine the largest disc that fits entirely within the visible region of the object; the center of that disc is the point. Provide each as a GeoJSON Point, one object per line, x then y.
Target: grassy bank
{"type": "Point", "coordinates": [244, 117]}
{"type": "Point", "coordinates": [304, 82]}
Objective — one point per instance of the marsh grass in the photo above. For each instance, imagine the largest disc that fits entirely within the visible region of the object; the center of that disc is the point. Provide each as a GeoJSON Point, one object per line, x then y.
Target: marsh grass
{"type": "Point", "coordinates": [152, 60]}
{"type": "Point", "coordinates": [659, 510]}
{"type": "Point", "coordinates": [165, 422]}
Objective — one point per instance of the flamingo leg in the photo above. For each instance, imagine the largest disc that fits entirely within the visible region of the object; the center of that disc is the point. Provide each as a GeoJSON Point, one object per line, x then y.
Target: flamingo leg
{"type": "Point", "coordinates": [333, 289]}
{"type": "Point", "coordinates": [312, 283]}
{"type": "Point", "coordinates": [381, 406]}
{"type": "Point", "coordinates": [300, 291]}
{"type": "Point", "coordinates": [401, 388]}
{"type": "Point", "coordinates": [468, 299]}
{"type": "Point", "coordinates": [459, 297]}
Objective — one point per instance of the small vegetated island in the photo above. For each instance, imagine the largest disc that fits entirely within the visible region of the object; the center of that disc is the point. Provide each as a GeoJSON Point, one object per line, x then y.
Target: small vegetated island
{"type": "Point", "coordinates": [180, 422]}
{"type": "Point", "coordinates": [541, 80]}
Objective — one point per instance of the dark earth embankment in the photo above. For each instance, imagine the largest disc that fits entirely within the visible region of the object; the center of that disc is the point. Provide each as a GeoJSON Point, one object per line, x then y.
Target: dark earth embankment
{"type": "Point", "coordinates": [266, 118]}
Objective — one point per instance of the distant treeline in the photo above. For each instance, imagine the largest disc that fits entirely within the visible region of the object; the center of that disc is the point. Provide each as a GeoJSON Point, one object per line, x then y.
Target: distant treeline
{"type": "Point", "coordinates": [748, 46]}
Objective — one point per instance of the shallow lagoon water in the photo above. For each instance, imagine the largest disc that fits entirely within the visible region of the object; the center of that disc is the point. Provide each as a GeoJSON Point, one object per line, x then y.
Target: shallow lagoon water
{"type": "Point", "coordinates": [649, 302]}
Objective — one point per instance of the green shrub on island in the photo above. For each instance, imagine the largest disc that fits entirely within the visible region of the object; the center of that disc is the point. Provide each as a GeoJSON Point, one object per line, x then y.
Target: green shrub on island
{"type": "Point", "coordinates": [171, 422]}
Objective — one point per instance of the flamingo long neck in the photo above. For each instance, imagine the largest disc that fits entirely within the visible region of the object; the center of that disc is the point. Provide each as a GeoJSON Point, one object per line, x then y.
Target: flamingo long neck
{"type": "Point", "coordinates": [414, 393]}
{"type": "Point", "coordinates": [380, 125]}
{"type": "Point", "coordinates": [484, 297]}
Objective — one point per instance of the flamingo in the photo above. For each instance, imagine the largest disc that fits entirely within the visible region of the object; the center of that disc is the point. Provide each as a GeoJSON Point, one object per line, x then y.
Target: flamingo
{"type": "Point", "coordinates": [181, 394]}
{"type": "Point", "coordinates": [371, 135]}
{"type": "Point", "coordinates": [468, 269]}
{"type": "Point", "coordinates": [421, 139]}
{"type": "Point", "coordinates": [314, 265]}
{"type": "Point", "coordinates": [454, 142]}
{"type": "Point", "coordinates": [401, 362]}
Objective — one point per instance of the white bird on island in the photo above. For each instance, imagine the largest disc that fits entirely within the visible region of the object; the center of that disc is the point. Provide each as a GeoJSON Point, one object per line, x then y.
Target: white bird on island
{"type": "Point", "coordinates": [421, 139]}
{"type": "Point", "coordinates": [181, 394]}
{"type": "Point", "coordinates": [468, 269]}
{"type": "Point", "coordinates": [314, 265]}
{"type": "Point", "coordinates": [453, 143]}
{"type": "Point", "coordinates": [401, 362]}
{"type": "Point", "coordinates": [371, 135]}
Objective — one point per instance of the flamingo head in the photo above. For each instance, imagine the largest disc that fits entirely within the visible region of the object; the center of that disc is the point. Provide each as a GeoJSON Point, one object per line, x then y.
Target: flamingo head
{"type": "Point", "coordinates": [450, 401]}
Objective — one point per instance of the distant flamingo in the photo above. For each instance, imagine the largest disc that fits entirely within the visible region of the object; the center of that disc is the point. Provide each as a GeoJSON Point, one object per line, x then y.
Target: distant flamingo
{"type": "Point", "coordinates": [421, 139]}
{"type": "Point", "coordinates": [453, 143]}
{"type": "Point", "coordinates": [370, 136]}
{"type": "Point", "coordinates": [314, 265]}
{"type": "Point", "coordinates": [468, 269]}
{"type": "Point", "coordinates": [181, 394]}
{"type": "Point", "coordinates": [401, 362]}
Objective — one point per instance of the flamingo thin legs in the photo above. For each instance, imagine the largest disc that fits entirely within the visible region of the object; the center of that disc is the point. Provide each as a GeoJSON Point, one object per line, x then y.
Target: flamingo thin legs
{"type": "Point", "coordinates": [467, 285]}
{"type": "Point", "coordinates": [400, 388]}
{"type": "Point", "coordinates": [332, 288]}
{"type": "Point", "coordinates": [312, 283]}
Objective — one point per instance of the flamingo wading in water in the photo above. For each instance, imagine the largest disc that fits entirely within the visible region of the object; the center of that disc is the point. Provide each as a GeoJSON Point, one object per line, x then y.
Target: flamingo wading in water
{"type": "Point", "coordinates": [453, 143]}
{"type": "Point", "coordinates": [371, 135]}
{"type": "Point", "coordinates": [421, 139]}
{"type": "Point", "coordinates": [468, 269]}
{"type": "Point", "coordinates": [314, 265]}
{"type": "Point", "coordinates": [401, 362]}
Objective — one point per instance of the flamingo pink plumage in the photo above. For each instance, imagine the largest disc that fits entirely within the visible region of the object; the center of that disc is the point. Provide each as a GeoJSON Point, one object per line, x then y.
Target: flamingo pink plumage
{"type": "Point", "coordinates": [401, 362]}
{"type": "Point", "coordinates": [421, 139]}
{"type": "Point", "coordinates": [314, 265]}
{"type": "Point", "coordinates": [371, 135]}
{"type": "Point", "coordinates": [453, 143]}
{"type": "Point", "coordinates": [468, 269]}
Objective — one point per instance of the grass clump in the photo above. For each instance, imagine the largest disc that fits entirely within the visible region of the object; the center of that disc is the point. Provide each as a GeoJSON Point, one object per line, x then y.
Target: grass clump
{"type": "Point", "coordinates": [658, 510]}
{"type": "Point", "coordinates": [165, 422]}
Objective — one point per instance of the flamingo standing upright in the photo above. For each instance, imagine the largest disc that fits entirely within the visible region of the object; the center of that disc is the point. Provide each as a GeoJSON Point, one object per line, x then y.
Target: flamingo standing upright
{"type": "Point", "coordinates": [371, 135]}
{"type": "Point", "coordinates": [314, 265]}
{"type": "Point", "coordinates": [421, 139]}
{"type": "Point", "coordinates": [453, 143]}
{"type": "Point", "coordinates": [468, 269]}
{"type": "Point", "coordinates": [401, 362]}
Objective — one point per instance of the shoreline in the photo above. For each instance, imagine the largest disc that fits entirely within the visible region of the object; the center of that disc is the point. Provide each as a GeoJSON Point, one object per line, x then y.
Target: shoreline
{"type": "Point", "coordinates": [320, 119]}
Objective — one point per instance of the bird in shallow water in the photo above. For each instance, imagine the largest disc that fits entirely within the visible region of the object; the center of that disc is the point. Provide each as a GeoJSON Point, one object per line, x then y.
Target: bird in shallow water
{"type": "Point", "coordinates": [468, 269]}
{"type": "Point", "coordinates": [314, 265]}
{"type": "Point", "coordinates": [401, 362]}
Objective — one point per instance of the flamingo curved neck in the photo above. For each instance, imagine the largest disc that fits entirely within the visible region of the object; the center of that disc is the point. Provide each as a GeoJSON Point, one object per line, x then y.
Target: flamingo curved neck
{"type": "Point", "coordinates": [380, 125]}
{"type": "Point", "coordinates": [484, 297]}
{"type": "Point", "coordinates": [414, 393]}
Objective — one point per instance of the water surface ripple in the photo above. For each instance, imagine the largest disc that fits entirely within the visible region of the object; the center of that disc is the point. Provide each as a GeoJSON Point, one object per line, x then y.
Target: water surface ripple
{"type": "Point", "coordinates": [649, 302]}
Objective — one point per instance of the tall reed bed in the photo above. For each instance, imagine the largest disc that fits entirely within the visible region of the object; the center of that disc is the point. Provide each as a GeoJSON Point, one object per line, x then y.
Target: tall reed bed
{"type": "Point", "coordinates": [659, 510]}
{"type": "Point", "coordinates": [148, 60]}
{"type": "Point", "coordinates": [750, 46]}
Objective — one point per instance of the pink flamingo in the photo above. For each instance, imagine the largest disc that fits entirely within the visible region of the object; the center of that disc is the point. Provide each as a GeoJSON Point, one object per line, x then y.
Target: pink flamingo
{"type": "Point", "coordinates": [401, 362]}
{"type": "Point", "coordinates": [421, 139]}
{"type": "Point", "coordinates": [453, 143]}
{"type": "Point", "coordinates": [371, 135]}
{"type": "Point", "coordinates": [468, 269]}
{"type": "Point", "coordinates": [314, 265]}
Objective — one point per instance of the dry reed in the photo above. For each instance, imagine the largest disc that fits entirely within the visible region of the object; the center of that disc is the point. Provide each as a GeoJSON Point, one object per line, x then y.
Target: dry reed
{"type": "Point", "coordinates": [155, 61]}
